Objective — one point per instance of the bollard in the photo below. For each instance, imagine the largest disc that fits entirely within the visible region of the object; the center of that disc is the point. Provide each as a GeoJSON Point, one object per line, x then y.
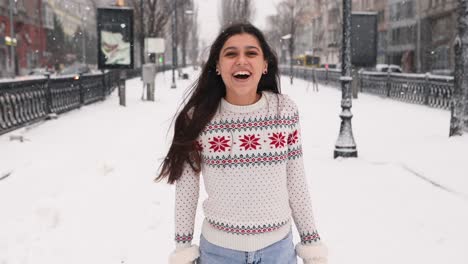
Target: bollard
{"type": "Point", "coordinates": [122, 99]}
{"type": "Point", "coordinates": [427, 88]}
{"type": "Point", "coordinates": [77, 80]}
{"type": "Point", "coordinates": [148, 75]}
{"type": "Point", "coordinates": [388, 84]}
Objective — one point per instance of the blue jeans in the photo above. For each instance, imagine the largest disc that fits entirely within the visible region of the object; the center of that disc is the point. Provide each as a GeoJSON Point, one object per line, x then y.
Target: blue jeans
{"type": "Point", "coordinates": [281, 252]}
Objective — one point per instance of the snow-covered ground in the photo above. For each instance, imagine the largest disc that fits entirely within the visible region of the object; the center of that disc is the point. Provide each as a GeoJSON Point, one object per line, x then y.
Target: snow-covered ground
{"type": "Point", "coordinates": [80, 188]}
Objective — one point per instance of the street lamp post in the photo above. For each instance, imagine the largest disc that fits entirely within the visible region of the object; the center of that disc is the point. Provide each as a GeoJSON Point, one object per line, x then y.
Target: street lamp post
{"type": "Point", "coordinates": [288, 37]}
{"type": "Point", "coordinates": [174, 44]}
{"type": "Point", "coordinates": [82, 12]}
{"type": "Point", "coordinates": [142, 36]}
{"type": "Point", "coordinates": [84, 42]}
{"type": "Point", "coordinates": [13, 38]}
{"type": "Point", "coordinates": [83, 31]}
{"type": "Point", "coordinates": [345, 145]}
{"type": "Point", "coordinates": [187, 12]}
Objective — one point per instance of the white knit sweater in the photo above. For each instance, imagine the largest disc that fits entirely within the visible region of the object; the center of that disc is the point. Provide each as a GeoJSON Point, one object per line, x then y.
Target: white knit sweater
{"type": "Point", "coordinates": [253, 172]}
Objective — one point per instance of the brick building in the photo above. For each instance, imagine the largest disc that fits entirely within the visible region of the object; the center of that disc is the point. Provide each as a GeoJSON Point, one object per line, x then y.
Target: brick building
{"type": "Point", "coordinates": [30, 36]}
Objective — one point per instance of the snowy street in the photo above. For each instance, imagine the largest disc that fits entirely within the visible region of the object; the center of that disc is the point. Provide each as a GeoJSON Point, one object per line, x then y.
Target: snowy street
{"type": "Point", "coordinates": [79, 189]}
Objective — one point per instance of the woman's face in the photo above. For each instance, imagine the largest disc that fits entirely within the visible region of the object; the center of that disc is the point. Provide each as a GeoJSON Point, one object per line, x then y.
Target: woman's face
{"type": "Point", "coordinates": [241, 64]}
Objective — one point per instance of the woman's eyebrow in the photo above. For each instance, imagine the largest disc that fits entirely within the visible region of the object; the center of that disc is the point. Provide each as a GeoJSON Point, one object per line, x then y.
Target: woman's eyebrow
{"type": "Point", "coordinates": [229, 48]}
{"type": "Point", "coordinates": [235, 48]}
{"type": "Point", "coordinates": [252, 47]}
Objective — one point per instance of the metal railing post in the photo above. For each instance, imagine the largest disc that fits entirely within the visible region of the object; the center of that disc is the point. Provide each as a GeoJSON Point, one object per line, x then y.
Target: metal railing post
{"type": "Point", "coordinates": [48, 96]}
{"type": "Point", "coordinates": [81, 89]}
{"type": "Point", "coordinates": [427, 88]}
{"type": "Point", "coordinates": [389, 84]}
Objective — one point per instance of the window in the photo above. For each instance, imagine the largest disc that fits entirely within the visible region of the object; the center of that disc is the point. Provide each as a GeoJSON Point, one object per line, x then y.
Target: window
{"type": "Point", "coordinates": [381, 16]}
{"type": "Point", "coordinates": [403, 35]}
{"type": "Point", "coordinates": [48, 16]}
{"type": "Point", "coordinates": [409, 9]}
{"type": "Point", "coordinates": [392, 12]}
{"type": "Point", "coordinates": [439, 28]}
{"type": "Point", "coordinates": [32, 59]}
{"type": "Point", "coordinates": [440, 58]}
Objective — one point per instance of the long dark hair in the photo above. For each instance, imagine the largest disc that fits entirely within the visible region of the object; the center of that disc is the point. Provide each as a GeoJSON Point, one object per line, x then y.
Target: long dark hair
{"type": "Point", "coordinates": [205, 95]}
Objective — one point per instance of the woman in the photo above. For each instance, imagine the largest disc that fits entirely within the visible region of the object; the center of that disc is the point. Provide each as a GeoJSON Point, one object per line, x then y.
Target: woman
{"type": "Point", "coordinates": [243, 135]}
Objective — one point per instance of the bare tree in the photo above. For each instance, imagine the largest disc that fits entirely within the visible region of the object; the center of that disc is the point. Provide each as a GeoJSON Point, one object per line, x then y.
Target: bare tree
{"type": "Point", "coordinates": [272, 34]}
{"type": "Point", "coordinates": [291, 15]}
{"type": "Point", "coordinates": [157, 13]}
{"type": "Point", "coordinates": [236, 11]}
{"type": "Point", "coordinates": [194, 50]}
{"type": "Point", "coordinates": [185, 25]}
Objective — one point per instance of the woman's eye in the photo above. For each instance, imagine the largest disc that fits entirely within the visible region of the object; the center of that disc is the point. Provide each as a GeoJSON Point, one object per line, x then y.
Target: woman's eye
{"type": "Point", "coordinates": [230, 54]}
{"type": "Point", "coordinates": [252, 53]}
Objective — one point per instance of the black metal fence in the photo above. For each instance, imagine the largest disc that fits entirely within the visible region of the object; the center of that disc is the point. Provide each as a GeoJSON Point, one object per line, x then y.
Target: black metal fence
{"type": "Point", "coordinates": [23, 102]}
{"type": "Point", "coordinates": [432, 90]}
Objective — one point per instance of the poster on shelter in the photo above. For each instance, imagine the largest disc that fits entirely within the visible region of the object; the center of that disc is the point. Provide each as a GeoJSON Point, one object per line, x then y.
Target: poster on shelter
{"type": "Point", "coordinates": [115, 38]}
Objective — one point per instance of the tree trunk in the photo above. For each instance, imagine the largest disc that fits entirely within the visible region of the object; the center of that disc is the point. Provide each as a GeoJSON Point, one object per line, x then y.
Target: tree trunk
{"type": "Point", "coordinates": [291, 60]}
{"type": "Point", "coordinates": [460, 87]}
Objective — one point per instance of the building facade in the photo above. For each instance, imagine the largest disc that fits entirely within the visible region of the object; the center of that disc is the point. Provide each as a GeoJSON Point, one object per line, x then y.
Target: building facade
{"type": "Point", "coordinates": [417, 35]}
{"type": "Point", "coordinates": [380, 7]}
{"type": "Point", "coordinates": [326, 31]}
{"type": "Point", "coordinates": [304, 31]}
{"type": "Point", "coordinates": [421, 35]}
{"type": "Point", "coordinates": [29, 34]}
{"type": "Point", "coordinates": [438, 32]}
{"type": "Point", "coordinates": [403, 34]}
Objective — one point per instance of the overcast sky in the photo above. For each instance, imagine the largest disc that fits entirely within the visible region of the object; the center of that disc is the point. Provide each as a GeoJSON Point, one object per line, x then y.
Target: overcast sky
{"type": "Point", "coordinates": [209, 22]}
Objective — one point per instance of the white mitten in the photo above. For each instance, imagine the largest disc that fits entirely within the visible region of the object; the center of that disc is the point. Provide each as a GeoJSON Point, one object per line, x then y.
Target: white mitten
{"type": "Point", "coordinates": [313, 254]}
{"type": "Point", "coordinates": [184, 255]}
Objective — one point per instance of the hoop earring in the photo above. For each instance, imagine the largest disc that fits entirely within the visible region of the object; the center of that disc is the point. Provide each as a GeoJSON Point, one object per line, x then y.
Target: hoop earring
{"type": "Point", "coordinates": [265, 72]}
{"type": "Point", "coordinates": [217, 72]}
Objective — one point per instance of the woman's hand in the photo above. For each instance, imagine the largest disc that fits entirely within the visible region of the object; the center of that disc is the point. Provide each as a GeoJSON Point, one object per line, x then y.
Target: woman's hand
{"type": "Point", "coordinates": [184, 255]}
{"type": "Point", "coordinates": [316, 253]}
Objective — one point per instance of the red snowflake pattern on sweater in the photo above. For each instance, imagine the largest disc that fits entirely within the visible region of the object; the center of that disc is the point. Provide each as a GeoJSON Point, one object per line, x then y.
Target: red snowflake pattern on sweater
{"type": "Point", "coordinates": [277, 140]}
{"type": "Point", "coordinates": [249, 142]}
{"type": "Point", "coordinates": [219, 144]}
{"type": "Point", "coordinates": [292, 138]}
{"type": "Point", "coordinates": [262, 140]}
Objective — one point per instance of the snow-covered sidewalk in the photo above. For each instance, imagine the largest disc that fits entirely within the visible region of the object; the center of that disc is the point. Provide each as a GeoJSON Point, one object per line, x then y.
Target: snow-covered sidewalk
{"type": "Point", "coordinates": [80, 188]}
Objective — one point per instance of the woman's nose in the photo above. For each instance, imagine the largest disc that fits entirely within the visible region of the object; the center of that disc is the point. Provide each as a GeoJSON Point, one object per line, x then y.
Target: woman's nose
{"type": "Point", "coordinates": [241, 59]}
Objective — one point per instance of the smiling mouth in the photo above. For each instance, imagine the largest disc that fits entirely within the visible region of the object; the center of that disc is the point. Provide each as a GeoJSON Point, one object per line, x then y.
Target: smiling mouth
{"type": "Point", "coordinates": [242, 75]}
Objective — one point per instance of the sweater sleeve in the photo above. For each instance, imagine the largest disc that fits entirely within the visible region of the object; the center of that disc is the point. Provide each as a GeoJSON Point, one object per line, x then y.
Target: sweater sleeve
{"type": "Point", "coordinates": [299, 197]}
{"type": "Point", "coordinates": [186, 200]}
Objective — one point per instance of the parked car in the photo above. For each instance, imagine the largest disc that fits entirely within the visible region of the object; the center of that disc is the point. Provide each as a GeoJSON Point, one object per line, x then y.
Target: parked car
{"type": "Point", "coordinates": [388, 68]}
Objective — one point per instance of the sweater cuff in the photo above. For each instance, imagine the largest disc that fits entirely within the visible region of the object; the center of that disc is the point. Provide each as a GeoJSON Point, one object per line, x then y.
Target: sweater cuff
{"type": "Point", "coordinates": [184, 255]}
{"type": "Point", "coordinates": [183, 241]}
{"type": "Point", "coordinates": [316, 253]}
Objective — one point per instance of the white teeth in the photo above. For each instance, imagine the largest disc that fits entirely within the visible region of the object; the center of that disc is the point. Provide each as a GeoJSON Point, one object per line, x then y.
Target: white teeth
{"type": "Point", "coordinates": [241, 73]}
